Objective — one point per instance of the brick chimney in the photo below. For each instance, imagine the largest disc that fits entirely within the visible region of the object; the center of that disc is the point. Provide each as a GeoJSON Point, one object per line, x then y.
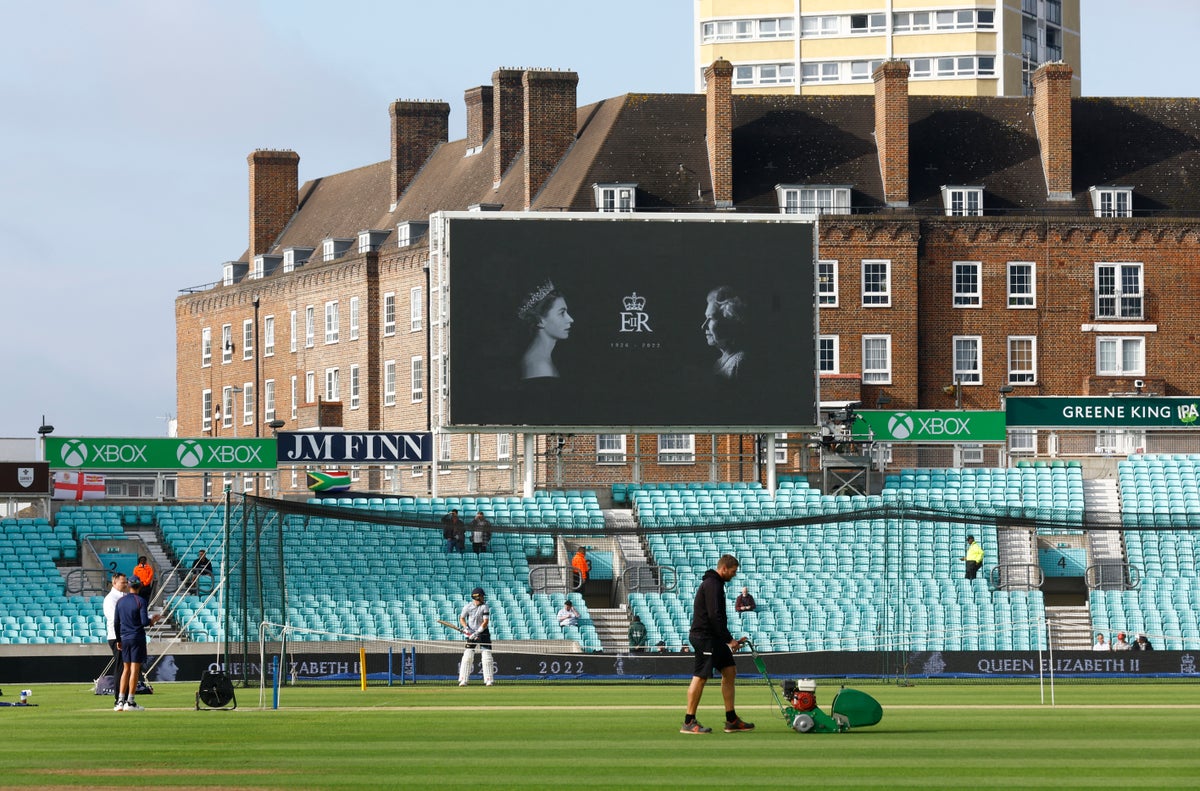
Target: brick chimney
{"type": "Point", "coordinates": [274, 186]}
{"type": "Point", "coordinates": [1052, 121]}
{"type": "Point", "coordinates": [891, 129]}
{"type": "Point", "coordinates": [479, 114]}
{"type": "Point", "coordinates": [718, 79]}
{"type": "Point", "coordinates": [550, 123]}
{"type": "Point", "coordinates": [417, 129]}
{"type": "Point", "coordinates": [508, 119]}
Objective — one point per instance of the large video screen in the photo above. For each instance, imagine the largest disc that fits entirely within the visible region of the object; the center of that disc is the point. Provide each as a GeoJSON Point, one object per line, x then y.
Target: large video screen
{"type": "Point", "coordinates": [573, 322]}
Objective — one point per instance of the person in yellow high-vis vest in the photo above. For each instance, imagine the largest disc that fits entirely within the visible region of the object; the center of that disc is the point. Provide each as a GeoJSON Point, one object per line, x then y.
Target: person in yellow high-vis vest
{"type": "Point", "coordinates": [974, 557]}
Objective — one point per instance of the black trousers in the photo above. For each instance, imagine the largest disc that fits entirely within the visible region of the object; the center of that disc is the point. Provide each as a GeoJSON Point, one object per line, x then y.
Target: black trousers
{"type": "Point", "coordinates": [972, 569]}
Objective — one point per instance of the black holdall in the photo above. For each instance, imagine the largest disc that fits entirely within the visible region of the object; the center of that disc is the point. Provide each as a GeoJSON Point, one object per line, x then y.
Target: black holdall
{"type": "Point", "coordinates": [216, 691]}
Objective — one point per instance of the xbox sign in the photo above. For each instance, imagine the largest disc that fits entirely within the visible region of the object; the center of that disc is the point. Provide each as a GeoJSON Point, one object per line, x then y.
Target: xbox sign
{"type": "Point", "coordinates": [124, 453]}
{"type": "Point", "coordinates": [900, 425]}
{"type": "Point", "coordinates": [930, 425]}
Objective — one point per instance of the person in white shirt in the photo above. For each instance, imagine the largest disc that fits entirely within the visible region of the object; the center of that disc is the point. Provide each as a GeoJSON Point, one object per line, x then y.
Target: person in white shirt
{"type": "Point", "coordinates": [1101, 643]}
{"type": "Point", "coordinates": [568, 615]}
{"type": "Point", "coordinates": [120, 587]}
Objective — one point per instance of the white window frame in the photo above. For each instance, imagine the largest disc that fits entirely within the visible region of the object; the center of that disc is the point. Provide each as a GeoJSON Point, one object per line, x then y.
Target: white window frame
{"type": "Point", "coordinates": [417, 379]}
{"type": "Point", "coordinates": [615, 198]}
{"type": "Point", "coordinates": [676, 449]}
{"type": "Point", "coordinates": [815, 72]}
{"type": "Point", "coordinates": [247, 339]}
{"type": "Point", "coordinates": [268, 338]}
{"type": "Point", "coordinates": [877, 375]}
{"type": "Point", "coordinates": [1019, 299]}
{"type": "Point", "coordinates": [881, 297]}
{"type": "Point", "coordinates": [416, 309]}
{"type": "Point", "coordinates": [966, 371]}
{"type": "Point", "coordinates": [963, 201]}
{"type": "Point", "coordinates": [504, 445]}
{"type": "Point", "coordinates": [332, 322]}
{"type": "Point", "coordinates": [873, 24]}
{"type": "Point", "coordinates": [1022, 441]}
{"type": "Point", "coordinates": [226, 344]}
{"type": "Point", "coordinates": [389, 313]}
{"type": "Point", "coordinates": [1019, 376]}
{"type": "Point", "coordinates": [1119, 343]}
{"type": "Point", "coordinates": [445, 452]}
{"type": "Point", "coordinates": [310, 387]}
{"type": "Point", "coordinates": [389, 383]}
{"type": "Point", "coordinates": [834, 343]}
{"type": "Point", "coordinates": [295, 403]}
{"type": "Point", "coordinates": [355, 393]}
{"type": "Point", "coordinates": [748, 75]}
{"type": "Point", "coordinates": [1112, 201]}
{"type": "Point", "coordinates": [310, 326]}
{"type": "Point", "coordinates": [473, 452]}
{"type": "Point", "coordinates": [827, 283]}
{"type": "Point", "coordinates": [813, 200]}
{"type": "Point", "coordinates": [610, 449]}
{"type": "Point", "coordinates": [966, 296]}
{"type": "Point", "coordinates": [206, 347]}
{"type": "Point", "coordinates": [227, 406]}
{"type": "Point", "coordinates": [781, 448]}
{"type": "Point", "coordinates": [1117, 301]}
{"type": "Point", "coordinates": [269, 400]}
{"type": "Point", "coordinates": [354, 318]}
{"type": "Point", "coordinates": [292, 333]}
{"type": "Point", "coordinates": [206, 407]}
{"type": "Point", "coordinates": [333, 384]}
{"type": "Point", "coordinates": [820, 25]}
{"type": "Point", "coordinates": [248, 403]}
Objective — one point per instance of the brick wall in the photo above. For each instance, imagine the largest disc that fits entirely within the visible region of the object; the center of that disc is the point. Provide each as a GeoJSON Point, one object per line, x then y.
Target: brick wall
{"type": "Point", "coordinates": [478, 101]}
{"type": "Point", "coordinates": [891, 129]}
{"type": "Point", "coordinates": [550, 121]}
{"type": "Point", "coordinates": [1052, 121]}
{"type": "Point", "coordinates": [417, 129]}
{"type": "Point", "coordinates": [274, 185]}
{"type": "Point", "coordinates": [508, 120]}
{"type": "Point", "coordinates": [719, 129]}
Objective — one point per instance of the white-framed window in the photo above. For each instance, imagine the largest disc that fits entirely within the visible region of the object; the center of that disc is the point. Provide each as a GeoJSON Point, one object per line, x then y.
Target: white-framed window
{"type": "Point", "coordinates": [610, 449]}
{"type": "Point", "coordinates": [961, 66]}
{"type": "Point", "coordinates": [355, 472]}
{"type": "Point", "coordinates": [911, 21]}
{"type": "Point", "coordinates": [295, 403]}
{"type": "Point", "coordinates": [963, 201]}
{"type": "Point", "coordinates": [416, 308]}
{"type": "Point", "coordinates": [776, 27]}
{"type": "Point", "coordinates": [877, 359]}
{"type": "Point", "coordinates": [828, 25]}
{"type": "Point", "coordinates": [968, 360]}
{"type": "Point", "coordinates": [206, 410]}
{"type": "Point", "coordinates": [615, 198]}
{"type": "Point", "coordinates": [443, 374]}
{"type": "Point", "coordinates": [504, 449]}
{"type": "Point", "coordinates": [1022, 359]}
{"type": "Point", "coordinates": [418, 379]}
{"type": "Point", "coordinates": [1121, 356]}
{"type": "Point", "coordinates": [328, 250]}
{"type": "Point", "coordinates": [310, 326]}
{"type": "Point", "coordinates": [1112, 201]}
{"type": "Point", "coordinates": [828, 361]}
{"type": "Point", "coordinates": [226, 344]}
{"type": "Point", "coordinates": [310, 387]}
{"type": "Point", "coordinates": [268, 336]}
{"type": "Point", "coordinates": [333, 384]}
{"type": "Point", "coordinates": [227, 406]}
{"type": "Point", "coordinates": [248, 339]}
{"type": "Point", "coordinates": [473, 451]}
{"type": "Point", "coordinates": [868, 24]}
{"type": "Point", "coordinates": [354, 302]}
{"type": "Point", "coordinates": [676, 448]}
{"type": "Point", "coordinates": [1119, 291]}
{"type": "Point", "coordinates": [248, 403]}
{"type": "Point", "coordinates": [862, 70]}
{"type": "Point", "coordinates": [389, 383]}
{"type": "Point", "coordinates": [876, 283]}
{"type": "Point", "coordinates": [354, 391]}
{"type": "Point", "coordinates": [971, 452]}
{"type": "Point", "coordinates": [747, 75]}
{"type": "Point", "coordinates": [1022, 286]}
{"type": "Point", "coordinates": [747, 29]}
{"type": "Point", "coordinates": [816, 72]}
{"type": "Point", "coordinates": [967, 288]}
{"type": "Point", "coordinates": [812, 200]}
{"type": "Point", "coordinates": [269, 400]}
{"type": "Point", "coordinates": [827, 284]}
{"type": "Point", "coordinates": [389, 313]}
{"type": "Point", "coordinates": [417, 471]}
{"type": "Point", "coordinates": [256, 268]}
{"type": "Point", "coordinates": [206, 347]}
{"type": "Point", "coordinates": [781, 448]}
{"type": "Point", "coordinates": [332, 322]}
{"type": "Point", "coordinates": [292, 332]}
{"type": "Point", "coordinates": [445, 452]}
{"type": "Point", "coordinates": [1022, 441]}
{"type": "Point", "coordinates": [924, 21]}
{"type": "Point", "coordinates": [920, 67]}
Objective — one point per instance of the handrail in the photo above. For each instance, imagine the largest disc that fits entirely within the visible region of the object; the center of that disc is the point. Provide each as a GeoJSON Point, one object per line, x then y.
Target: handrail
{"type": "Point", "coordinates": [645, 578]}
{"type": "Point", "coordinates": [543, 578]}
{"type": "Point", "coordinates": [1016, 576]}
{"type": "Point", "coordinates": [1113, 576]}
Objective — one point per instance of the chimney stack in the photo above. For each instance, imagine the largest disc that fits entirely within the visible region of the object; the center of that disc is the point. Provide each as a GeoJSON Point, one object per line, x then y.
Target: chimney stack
{"type": "Point", "coordinates": [508, 114]}
{"type": "Point", "coordinates": [550, 124]}
{"type": "Point", "coordinates": [479, 115]}
{"type": "Point", "coordinates": [1052, 122]}
{"type": "Point", "coordinates": [891, 129]}
{"type": "Point", "coordinates": [417, 129]}
{"type": "Point", "coordinates": [718, 80]}
{"type": "Point", "coordinates": [274, 186]}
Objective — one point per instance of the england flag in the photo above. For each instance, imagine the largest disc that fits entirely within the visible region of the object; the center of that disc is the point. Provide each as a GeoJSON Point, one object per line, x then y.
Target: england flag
{"type": "Point", "coordinates": [78, 486]}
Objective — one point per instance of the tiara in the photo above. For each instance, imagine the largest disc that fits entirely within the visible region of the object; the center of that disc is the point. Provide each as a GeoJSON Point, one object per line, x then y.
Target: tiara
{"type": "Point", "coordinates": [537, 296]}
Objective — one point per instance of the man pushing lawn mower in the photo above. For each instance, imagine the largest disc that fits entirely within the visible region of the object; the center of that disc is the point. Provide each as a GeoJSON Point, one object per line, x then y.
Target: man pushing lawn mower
{"type": "Point", "coordinates": [714, 646]}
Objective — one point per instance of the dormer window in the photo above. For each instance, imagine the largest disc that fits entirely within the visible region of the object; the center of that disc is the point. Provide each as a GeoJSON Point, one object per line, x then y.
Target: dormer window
{"type": "Point", "coordinates": [370, 240]}
{"type": "Point", "coordinates": [485, 207]}
{"type": "Point", "coordinates": [615, 197]}
{"type": "Point", "coordinates": [332, 248]}
{"type": "Point", "coordinates": [1112, 201]}
{"type": "Point", "coordinates": [294, 257]}
{"type": "Point", "coordinates": [963, 201]}
{"type": "Point", "coordinates": [813, 199]}
{"type": "Point", "coordinates": [227, 274]}
{"type": "Point", "coordinates": [408, 233]}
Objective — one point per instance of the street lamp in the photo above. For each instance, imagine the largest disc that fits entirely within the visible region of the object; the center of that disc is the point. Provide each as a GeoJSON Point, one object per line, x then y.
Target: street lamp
{"type": "Point", "coordinates": [1004, 391]}
{"type": "Point", "coordinates": [44, 431]}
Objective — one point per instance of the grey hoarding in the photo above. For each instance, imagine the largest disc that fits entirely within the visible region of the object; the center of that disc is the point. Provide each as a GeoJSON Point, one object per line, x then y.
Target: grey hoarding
{"type": "Point", "coordinates": [557, 322]}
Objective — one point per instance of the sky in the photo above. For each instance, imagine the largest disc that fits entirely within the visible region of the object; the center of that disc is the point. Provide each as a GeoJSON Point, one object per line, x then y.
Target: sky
{"type": "Point", "coordinates": [125, 127]}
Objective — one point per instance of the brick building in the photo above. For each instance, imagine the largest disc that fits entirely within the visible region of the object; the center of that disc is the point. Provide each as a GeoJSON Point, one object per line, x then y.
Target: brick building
{"type": "Point", "coordinates": [1045, 244]}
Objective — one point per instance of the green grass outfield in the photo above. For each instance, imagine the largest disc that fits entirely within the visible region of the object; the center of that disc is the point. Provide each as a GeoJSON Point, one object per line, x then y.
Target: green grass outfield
{"type": "Point", "coordinates": [578, 735]}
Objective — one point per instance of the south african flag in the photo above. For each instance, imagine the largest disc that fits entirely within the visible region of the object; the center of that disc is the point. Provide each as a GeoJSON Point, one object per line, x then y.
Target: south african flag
{"type": "Point", "coordinates": [328, 481]}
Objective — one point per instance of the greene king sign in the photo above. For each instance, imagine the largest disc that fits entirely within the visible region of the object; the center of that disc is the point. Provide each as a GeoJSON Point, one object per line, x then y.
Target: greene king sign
{"type": "Point", "coordinates": [930, 425]}
{"type": "Point", "coordinates": [125, 453]}
{"type": "Point", "coordinates": [1104, 412]}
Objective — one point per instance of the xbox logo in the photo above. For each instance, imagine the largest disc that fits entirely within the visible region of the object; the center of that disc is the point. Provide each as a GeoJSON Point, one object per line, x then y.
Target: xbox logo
{"type": "Point", "coordinates": [189, 453]}
{"type": "Point", "coordinates": [74, 453]}
{"type": "Point", "coordinates": [900, 425]}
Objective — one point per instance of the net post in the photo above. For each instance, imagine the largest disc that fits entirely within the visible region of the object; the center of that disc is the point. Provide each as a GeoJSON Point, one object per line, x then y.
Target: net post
{"type": "Point", "coordinates": [275, 683]}
{"type": "Point", "coordinates": [390, 665]}
{"type": "Point", "coordinates": [362, 666]}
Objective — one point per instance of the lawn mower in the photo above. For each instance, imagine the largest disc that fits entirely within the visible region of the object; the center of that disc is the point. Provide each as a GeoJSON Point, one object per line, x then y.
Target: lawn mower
{"type": "Point", "coordinates": [850, 708]}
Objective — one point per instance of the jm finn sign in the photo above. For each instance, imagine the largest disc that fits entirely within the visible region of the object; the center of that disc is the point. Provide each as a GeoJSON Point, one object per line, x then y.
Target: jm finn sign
{"type": "Point", "coordinates": [359, 447]}
{"type": "Point", "coordinates": [1104, 412]}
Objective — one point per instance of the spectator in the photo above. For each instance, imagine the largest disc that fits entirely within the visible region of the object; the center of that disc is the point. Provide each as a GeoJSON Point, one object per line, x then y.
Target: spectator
{"type": "Point", "coordinates": [580, 565]}
{"type": "Point", "coordinates": [120, 589]}
{"type": "Point", "coordinates": [745, 602]}
{"type": "Point", "coordinates": [684, 649]}
{"type": "Point", "coordinates": [481, 533]}
{"type": "Point", "coordinates": [1119, 644]}
{"type": "Point", "coordinates": [974, 557]}
{"type": "Point", "coordinates": [1101, 644]}
{"type": "Point", "coordinates": [661, 646]}
{"type": "Point", "coordinates": [145, 574]}
{"type": "Point", "coordinates": [1142, 644]}
{"type": "Point", "coordinates": [202, 567]}
{"type": "Point", "coordinates": [453, 531]}
{"type": "Point", "coordinates": [637, 634]}
{"type": "Point", "coordinates": [568, 615]}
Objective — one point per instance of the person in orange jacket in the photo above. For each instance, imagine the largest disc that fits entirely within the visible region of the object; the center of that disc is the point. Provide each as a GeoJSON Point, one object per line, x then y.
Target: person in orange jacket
{"type": "Point", "coordinates": [580, 564]}
{"type": "Point", "coordinates": [145, 573]}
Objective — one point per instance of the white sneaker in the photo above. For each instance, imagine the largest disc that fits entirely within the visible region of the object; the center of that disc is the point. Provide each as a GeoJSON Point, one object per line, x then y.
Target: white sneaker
{"type": "Point", "coordinates": [462, 683]}
{"type": "Point", "coordinates": [119, 706]}
{"type": "Point", "coordinates": [133, 707]}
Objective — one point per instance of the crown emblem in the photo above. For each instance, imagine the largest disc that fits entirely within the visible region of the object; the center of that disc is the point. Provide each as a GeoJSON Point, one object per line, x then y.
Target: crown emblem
{"type": "Point", "coordinates": [536, 296]}
{"type": "Point", "coordinates": [634, 302]}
